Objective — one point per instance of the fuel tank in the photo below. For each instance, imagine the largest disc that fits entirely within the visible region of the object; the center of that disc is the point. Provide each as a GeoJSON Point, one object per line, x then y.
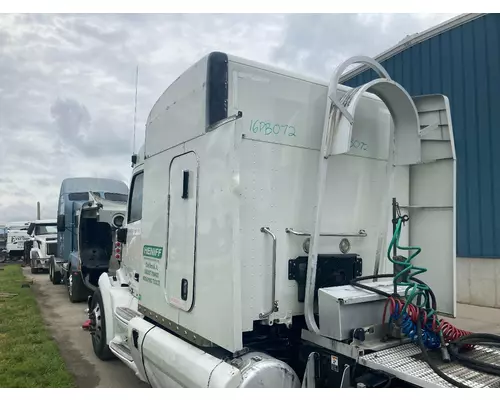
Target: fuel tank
{"type": "Point", "coordinates": [168, 361]}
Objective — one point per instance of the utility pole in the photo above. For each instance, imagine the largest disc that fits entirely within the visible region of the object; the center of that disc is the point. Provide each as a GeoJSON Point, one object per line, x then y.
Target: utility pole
{"type": "Point", "coordinates": [135, 105]}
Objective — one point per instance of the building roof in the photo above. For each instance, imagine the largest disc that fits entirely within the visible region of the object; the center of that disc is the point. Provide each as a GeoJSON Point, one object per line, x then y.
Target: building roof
{"type": "Point", "coordinates": [412, 40]}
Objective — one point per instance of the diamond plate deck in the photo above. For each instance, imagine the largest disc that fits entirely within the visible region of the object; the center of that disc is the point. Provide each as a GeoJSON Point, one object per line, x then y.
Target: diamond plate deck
{"type": "Point", "coordinates": [403, 363]}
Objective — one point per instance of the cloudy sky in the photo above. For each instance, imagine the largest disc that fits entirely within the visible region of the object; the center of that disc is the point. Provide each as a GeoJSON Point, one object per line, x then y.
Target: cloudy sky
{"type": "Point", "coordinates": [67, 82]}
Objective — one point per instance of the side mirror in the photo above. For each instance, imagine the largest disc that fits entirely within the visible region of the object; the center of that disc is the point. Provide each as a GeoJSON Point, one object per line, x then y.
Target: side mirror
{"type": "Point", "coordinates": [61, 223]}
{"type": "Point", "coordinates": [121, 235]}
{"type": "Point", "coordinates": [31, 229]}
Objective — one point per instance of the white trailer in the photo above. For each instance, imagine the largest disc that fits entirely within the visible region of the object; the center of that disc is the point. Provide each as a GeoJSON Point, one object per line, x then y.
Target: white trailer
{"type": "Point", "coordinates": [264, 202]}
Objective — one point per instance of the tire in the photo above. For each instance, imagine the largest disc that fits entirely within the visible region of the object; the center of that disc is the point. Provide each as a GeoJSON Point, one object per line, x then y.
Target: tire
{"type": "Point", "coordinates": [39, 267]}
{"type": "Point", "coordinates": [98, 328]}
{"type": "Point", "coordinates": [77, 291]}
{"type": "Point", "coordinates": [33, 269]}
{"type": "Point", "coordinates": [54, 276]}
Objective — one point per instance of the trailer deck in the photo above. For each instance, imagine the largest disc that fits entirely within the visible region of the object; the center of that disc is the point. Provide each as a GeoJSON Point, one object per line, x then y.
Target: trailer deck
{"type": "Point", "coordinates": [406, 363]}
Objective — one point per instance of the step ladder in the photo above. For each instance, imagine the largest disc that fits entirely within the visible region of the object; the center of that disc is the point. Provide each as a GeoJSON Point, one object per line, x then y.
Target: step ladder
{"type": "Point", "coordinates": [118, 345]}
{"type": "Point", "coordinates": [336, 140]}
{"type": "Point", "coordinates": [123, 315]}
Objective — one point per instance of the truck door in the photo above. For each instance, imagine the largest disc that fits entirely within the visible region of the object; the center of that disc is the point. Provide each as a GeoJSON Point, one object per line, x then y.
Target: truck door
{"type": "Point", "coordinates": [181, 242]}
{"type": "Point", "coordinates": [132, 251]}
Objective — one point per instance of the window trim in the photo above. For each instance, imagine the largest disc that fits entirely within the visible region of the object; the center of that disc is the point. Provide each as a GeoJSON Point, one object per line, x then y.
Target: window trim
{"type": "Point", "coordinates": [41, 234]}
{"type": "Point", "coordinates": [132, 187]}
{"type": "Point", "coordinates": [116, 194]}
{"type": "Point", "coordinates": [78, 193]}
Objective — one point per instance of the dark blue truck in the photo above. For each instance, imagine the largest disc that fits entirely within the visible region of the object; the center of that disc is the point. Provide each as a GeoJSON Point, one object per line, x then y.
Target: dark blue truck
{"type": "Point", "coordinates": [93, 235]}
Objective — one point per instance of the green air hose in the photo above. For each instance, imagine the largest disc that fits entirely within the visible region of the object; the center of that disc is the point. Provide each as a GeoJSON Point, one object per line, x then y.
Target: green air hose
{"type": "Point", "coordinates": [417, 294]}
{"type": "Point", "coordinates": [414, 290]}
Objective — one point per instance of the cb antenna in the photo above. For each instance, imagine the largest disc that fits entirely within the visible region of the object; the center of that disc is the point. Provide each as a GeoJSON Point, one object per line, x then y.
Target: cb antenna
{"type": "Point", "coordinates": [135, 105]}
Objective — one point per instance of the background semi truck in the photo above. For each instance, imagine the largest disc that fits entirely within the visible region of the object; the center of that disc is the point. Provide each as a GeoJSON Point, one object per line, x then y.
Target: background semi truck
{"type": "Point", "coordinates": [287, 232]}
{"type": "Point", "coordinates": [73, 236]}
{"type": "Point", "coordinates": [17, 234]}
{"type": "Point", "coordinates": [3, 237]}
{"type": "Point", "coordinates": [41, 245]}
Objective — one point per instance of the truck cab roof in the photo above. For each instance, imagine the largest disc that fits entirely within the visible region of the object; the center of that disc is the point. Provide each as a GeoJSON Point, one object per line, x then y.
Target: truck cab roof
{"type": "Point", "coordinates": [86, 184]}
{"type": "Point", "coordinates": [23, 225]}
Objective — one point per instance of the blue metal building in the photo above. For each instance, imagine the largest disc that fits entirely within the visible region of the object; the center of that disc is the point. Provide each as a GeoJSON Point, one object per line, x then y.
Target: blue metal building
{"type": "Point", "coordinates": [460, 59]}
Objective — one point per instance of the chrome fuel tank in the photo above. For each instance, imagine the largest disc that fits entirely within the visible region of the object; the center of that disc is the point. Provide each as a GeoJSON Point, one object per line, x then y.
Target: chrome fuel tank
{"type": "Point", "coordinates": [259, 370]}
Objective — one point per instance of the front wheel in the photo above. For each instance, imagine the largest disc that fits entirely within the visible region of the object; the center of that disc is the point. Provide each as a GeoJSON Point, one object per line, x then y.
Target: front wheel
{"type": "Point", "coordinates": [98, 328]}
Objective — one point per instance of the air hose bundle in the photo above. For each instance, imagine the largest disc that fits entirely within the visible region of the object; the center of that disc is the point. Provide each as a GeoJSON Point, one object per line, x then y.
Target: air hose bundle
{"type": "Point", "coordinates": [416, 316]}
{"type": "Point", "coordinates": [417, 300]}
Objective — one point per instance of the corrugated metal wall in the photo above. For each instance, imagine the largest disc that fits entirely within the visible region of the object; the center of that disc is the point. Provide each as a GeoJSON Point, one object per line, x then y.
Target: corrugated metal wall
{"type": "Point", "coordinates": [463, 64]}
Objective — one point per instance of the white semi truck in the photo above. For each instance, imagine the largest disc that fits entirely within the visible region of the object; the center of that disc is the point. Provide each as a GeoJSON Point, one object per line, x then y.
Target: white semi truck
{"type": "Point", "coordinates": [43, 246]}
{"type": "Point", "coordinates": [271, 233]}
{"type": "Point", "coordinates": [17, 234]}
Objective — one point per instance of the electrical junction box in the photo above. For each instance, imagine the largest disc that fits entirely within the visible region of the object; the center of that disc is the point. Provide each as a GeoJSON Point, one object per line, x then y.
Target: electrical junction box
{"type": "Point", "coordinates": [345, 308]}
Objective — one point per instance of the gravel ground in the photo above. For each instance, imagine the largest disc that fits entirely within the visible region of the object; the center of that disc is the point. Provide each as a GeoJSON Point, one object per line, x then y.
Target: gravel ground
{"type": "Point", "coordinates": [64, 320]}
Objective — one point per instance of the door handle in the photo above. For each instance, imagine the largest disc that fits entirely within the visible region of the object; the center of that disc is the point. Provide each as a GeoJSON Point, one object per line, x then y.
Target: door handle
{"type": "Point", "coordinates": [184, 289]}
{"type": "Point", "coordinates": [135, 338]}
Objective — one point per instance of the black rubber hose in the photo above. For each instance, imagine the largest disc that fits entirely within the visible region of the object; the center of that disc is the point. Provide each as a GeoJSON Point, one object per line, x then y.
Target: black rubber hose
{"type": "Point", "coordinates": [427, 359]}
{"type": "Point", "coordinates": [355, 281]}
{"type": "Point", "coordinates": [478, 339]}
{"type": "Point", "coordinates": [431, 364]}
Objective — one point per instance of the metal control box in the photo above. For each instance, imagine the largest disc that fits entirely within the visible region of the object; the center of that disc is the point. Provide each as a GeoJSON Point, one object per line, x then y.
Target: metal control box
{"type": "Point", "coordinates": [345, 308]}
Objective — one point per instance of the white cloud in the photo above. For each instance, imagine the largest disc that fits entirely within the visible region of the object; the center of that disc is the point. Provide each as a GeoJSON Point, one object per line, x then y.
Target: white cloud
{"type": "Point", "coordinates": [67, 81]}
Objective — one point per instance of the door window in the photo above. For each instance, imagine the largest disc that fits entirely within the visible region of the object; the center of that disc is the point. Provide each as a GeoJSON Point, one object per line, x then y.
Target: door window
{"type": "Point", "coordinates": [135, 202]}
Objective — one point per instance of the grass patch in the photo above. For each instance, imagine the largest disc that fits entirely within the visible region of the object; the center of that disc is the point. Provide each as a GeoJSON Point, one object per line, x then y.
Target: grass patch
{"type": "Point", "coordinates": [29, 357]}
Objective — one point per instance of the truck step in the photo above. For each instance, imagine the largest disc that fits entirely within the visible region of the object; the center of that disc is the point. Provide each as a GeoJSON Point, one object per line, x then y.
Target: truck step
{"type": "Point", "coordinates": [126, 314]}
{"type": "Point", "coordinates": [121, 351]}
